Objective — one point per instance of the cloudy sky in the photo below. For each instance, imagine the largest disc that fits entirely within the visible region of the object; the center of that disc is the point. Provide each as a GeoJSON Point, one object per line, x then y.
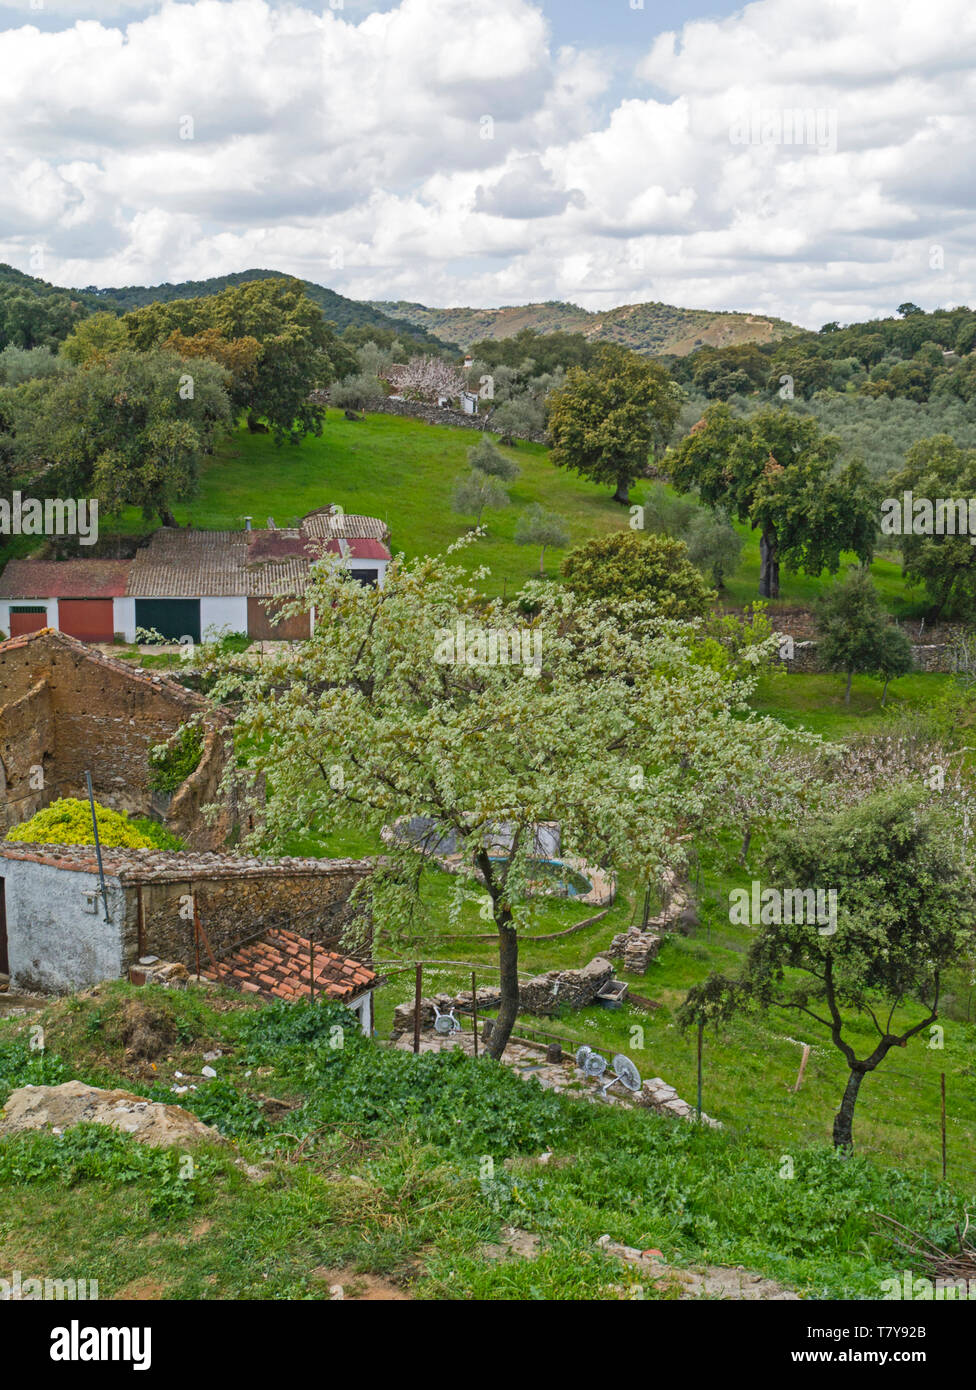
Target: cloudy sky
{"type": "Point", "coordinates": [812, 160]}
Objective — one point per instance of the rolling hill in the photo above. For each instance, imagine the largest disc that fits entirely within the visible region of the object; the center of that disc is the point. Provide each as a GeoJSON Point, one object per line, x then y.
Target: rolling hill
{"type": "Point", "coordinates": [655, 329]}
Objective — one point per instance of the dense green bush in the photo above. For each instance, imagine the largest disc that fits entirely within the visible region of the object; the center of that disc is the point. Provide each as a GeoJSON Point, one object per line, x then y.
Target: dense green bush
{"type": "Point", "coordinates": [171, 764]}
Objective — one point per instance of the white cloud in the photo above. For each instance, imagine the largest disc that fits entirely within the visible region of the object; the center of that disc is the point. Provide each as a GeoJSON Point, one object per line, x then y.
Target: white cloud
{"type": "Point", "coordinates": [442, 150]}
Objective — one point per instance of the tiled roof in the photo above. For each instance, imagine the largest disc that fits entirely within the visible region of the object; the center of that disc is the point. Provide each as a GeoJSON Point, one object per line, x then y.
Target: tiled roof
{"type": "Point", "coordinates": [49, 636]}
{"type": "Point", "coordinates": [173, 866]}
{"type": "Point", "coordinates": [179, 563]}
{"type": "Point", "coordinates": [226, 564]}
{"type": "Point", "coordinates": [283, 965]}
{"type": "Point", "coordinates": [326, 525]}
{"type": "Point", "coordinates": [24, 579]}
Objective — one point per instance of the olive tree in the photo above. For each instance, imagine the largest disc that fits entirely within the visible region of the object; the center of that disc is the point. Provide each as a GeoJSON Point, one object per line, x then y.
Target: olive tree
{"type": "Point", "coordinates": [905, 916]}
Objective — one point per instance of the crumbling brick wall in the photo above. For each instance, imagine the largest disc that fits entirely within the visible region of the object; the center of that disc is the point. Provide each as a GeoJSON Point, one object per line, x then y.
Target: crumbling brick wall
{"type": "Point", "coordinates": [26, 747]}
{"type": "Point", "coordinates": [95, 714]}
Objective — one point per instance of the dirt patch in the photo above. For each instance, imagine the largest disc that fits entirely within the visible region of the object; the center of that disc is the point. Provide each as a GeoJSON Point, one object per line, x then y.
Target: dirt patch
{"type": "Point", "coordinates": [141, 1291]}
{"type": "Point", "coordinates": [515, 1244]}
{"type": "Point", "coordinates": [345, 1285]}
{"type": "Point", "coordinates": [700, 1281]}
{"type": "Point", "coordinates": [60, 1107]}
{"type": "Point", "coordinates": [146, 1032]}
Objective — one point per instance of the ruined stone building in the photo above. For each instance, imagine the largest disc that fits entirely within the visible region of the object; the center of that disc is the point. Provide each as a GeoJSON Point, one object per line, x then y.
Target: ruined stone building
{"type": "Point", "coordinates": [65, 708]}
{"type": "Point", "coordinates": [282, 928]}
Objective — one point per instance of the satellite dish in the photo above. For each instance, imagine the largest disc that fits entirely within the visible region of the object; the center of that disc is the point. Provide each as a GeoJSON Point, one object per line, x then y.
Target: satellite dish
{"type": "Point", "coordinates": [581, 1055]}
{"type": "Point", "coordinates": [445, 1023]}
{"type": "Point", "coordinates": [626, 1072]}
{"type": "Point", "coordinates": [595, 1065]}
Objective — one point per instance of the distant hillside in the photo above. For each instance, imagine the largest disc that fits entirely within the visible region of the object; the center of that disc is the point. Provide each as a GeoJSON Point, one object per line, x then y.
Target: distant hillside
{"type": "Point", "coordinates": [337, 308]}
{"type": "Point", "coordinates": [655, 329]}
{"type": "Point", "coordinates": [343, 312]}
{"type": "Point", "coordinates": [13, 281]}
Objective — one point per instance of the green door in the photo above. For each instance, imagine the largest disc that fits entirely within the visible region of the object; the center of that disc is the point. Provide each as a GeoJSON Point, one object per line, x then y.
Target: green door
{"type": "Point", "coordinates": [173, 617]}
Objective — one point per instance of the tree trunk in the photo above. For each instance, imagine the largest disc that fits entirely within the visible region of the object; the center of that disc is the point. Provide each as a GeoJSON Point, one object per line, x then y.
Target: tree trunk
{"type": "Point", "coordinates": [847, 692]}
{"type": "Point", "coordinates": [166, 517]}
{"type": "Point", "coordinates": [768, 565]}
{"type": "Point", "coordinates": [542, 561]}
{"type": "Point", "coordinates": [746, 842]}
{"type": "Point", "coordinates": [623, 492]}
{"type": "Point", "coordinates": [502, 1027]}
{"type": "Point", "coordinates": [844, 1119]}
{"type": "Point", "coordinates": [884, 693]}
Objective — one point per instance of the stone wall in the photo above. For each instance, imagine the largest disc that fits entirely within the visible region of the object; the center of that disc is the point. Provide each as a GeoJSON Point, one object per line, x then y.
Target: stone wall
{"type": "Point", "coordinates": [70, 709]}
{"type": "Point", "coordinates": [545, 994]}
{"type": "Point", "coordinates": [436, 415]}
{"type": "Point", "coordinates": [233, 909]}
{"type": "Point", "coordinates": [927, 656]}
{"type": "Point", "coordinates": [26, 744]}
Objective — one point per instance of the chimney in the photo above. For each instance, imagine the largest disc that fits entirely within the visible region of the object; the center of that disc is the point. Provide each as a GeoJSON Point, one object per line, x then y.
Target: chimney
{"type": "Point", "coordinates": [247, 523]}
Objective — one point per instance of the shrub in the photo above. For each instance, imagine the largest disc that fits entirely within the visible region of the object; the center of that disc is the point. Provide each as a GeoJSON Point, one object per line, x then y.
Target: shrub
{"type": "Point", "coordinates": [67, 821]}
{"type": "Point", "coordinates": [170, 764]}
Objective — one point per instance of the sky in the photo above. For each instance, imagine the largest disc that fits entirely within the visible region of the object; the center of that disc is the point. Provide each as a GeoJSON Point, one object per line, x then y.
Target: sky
{"type": "Point", "coordinates": [812, 161]}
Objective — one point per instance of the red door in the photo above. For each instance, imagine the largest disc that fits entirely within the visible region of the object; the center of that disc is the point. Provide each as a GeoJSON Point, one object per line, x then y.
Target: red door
{"type": "Point", "coordinates": [89, 619]}
{"type": "Point", "coordinates": [24, 620]}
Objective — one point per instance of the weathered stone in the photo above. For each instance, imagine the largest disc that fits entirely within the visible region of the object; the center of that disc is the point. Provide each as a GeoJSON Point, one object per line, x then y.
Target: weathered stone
{"type": "Point", "coordinates": [60, 1107]}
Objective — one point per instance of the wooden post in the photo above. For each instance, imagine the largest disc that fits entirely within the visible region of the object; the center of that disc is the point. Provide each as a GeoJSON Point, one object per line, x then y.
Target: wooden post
{"type": "Point", "coordinates": [803, 1066]}
{"type": "Point", "coordinates": [474, 1010]}
{"type": "Point", "coordinates": [701, 1030]}
{"type": "Point", "coordinates": [943, 1127]}
{"type": "Point", "coordinates": [416, 1006]}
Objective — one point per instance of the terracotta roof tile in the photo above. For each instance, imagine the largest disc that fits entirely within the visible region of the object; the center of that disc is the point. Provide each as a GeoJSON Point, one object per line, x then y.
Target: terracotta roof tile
{"type": "Point", "coordinates": [281, 966]}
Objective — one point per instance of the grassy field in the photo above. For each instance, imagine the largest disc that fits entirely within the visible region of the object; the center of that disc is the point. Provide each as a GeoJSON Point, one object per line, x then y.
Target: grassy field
{"type": "Point", "coordinates": [382, 1173]}
{"type": "Point", "coordinates": [403, 471]}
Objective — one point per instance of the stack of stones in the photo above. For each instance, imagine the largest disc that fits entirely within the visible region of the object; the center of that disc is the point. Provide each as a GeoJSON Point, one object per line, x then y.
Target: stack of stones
{"type": "Point", "coordinates": [636, 949]}
{"type": "Point", "coordinates": [544, 994]}
{"type": "Point", "coordinates": [658, 1095]}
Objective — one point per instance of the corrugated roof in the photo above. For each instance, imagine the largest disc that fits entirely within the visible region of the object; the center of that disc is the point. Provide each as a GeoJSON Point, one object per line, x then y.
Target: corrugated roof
{"type": "Point", "coordinates": [282, 965]}
{"type": "Point", "coordinates": [26, 579]}
{"type": "Point", "coordinates": [358, 549]}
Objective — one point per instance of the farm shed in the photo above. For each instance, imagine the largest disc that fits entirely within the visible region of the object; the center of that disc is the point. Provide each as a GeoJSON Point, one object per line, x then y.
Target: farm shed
{"type": "Point", "coordinates": [79, 597]}
{"type": "Point", "coordinates": [203, 910]}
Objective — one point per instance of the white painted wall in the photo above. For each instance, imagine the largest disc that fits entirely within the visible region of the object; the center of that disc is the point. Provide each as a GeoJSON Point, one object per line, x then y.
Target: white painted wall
{"type": "Point", "coordinates": [124, 617]}
{"type": "Point", "coordinates": [221, 615]}
{"type": "Point", "coordinates": [363, 1009]}
{"type": "Point", "coordinates": [378, 565]}
{"type": "Point", "coordinates": [49, 604]}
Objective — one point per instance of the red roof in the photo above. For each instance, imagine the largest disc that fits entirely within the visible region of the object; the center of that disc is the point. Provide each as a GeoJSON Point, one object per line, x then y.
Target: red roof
{"type": "Point", "coordinates": [360, 548]}
{"type": "Point", "coordinates": [23, 579]}
{"type": "Point", "coordinates": [279, 964]}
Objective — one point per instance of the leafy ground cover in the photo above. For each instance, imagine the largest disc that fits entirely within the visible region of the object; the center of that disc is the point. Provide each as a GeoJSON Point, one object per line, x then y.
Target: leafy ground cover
{"type": "Point", "coordinates": [376, 1163]}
